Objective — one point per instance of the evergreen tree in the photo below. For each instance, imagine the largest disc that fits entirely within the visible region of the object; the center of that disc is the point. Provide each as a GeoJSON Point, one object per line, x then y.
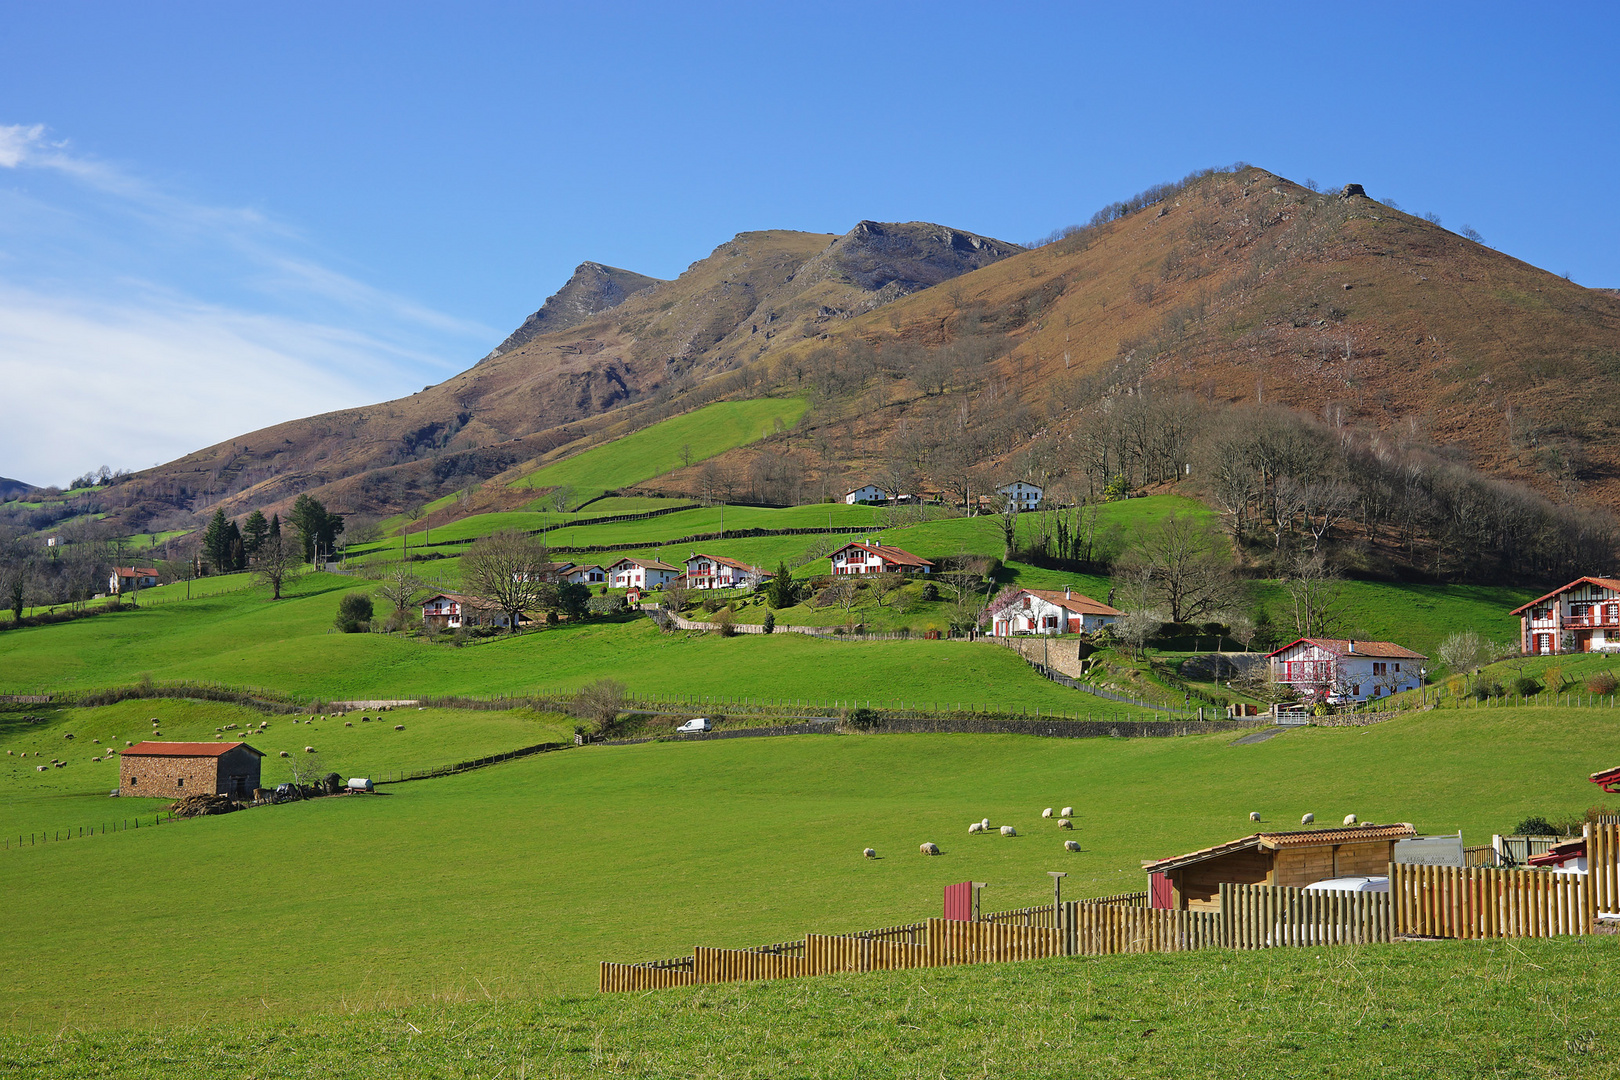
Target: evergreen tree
{"type": "Point", "coordinates": [216, 543]}
{"type": "Point", "coordinates": [234, 546]}
{"type": "Point", "coordinates": [779, 594]}
{"type": "Point", "coordinates": [318, 529]}
{"type": "Point", "coordinates": [254, 531]}
{"type": "Point", "coordinates": [275, 527]}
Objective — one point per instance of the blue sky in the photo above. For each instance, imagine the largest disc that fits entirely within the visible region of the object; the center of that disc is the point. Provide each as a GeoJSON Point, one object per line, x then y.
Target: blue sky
{"type": "Point", "coordinates": [215, 217]}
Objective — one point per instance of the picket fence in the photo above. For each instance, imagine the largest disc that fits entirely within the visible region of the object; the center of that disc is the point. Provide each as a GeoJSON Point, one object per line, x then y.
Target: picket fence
{"type": "Point", "coordinates": [1273, 916]}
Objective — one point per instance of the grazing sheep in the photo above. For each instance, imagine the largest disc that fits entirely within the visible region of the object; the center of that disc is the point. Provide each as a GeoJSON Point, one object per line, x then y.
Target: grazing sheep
{"type": "Point", "coordinates": [95, 741]}
{"type": "Point", "coordinates": [975, 827]}
{"type": "Point", "coordinates": [67, 735]}
{"type": "Point", "coordinates": [40, 768]}
{"type": "Point", "coordinates": [985, 824]}
{"type": "Point", "coordinates": [1008, 830]}
{"type": "Point", "coordinates": [285, 754]}
{"type": "Point", "coordinates": [1307, 819]}
{"type": "Point", "coordinates": [309, 749]}
{"type": "Point", "coordinates": [399, 727]}
{"type": "Point", "coordinates": [1065, 823]}
{"type": "Point", "coordinates": [1047, 812]}
{"type": "Point", "coordinates": [869, 853]}
{"type": "Point", "coordinates": [347, 724]}
{"type": "Point", "coordinates": [1254, 815]}
{"type": "Point", "coordinates": [1349, 819]}
{"type": "Point", "coordinates": [128, 743]}
{"type": "Point", "coordinates": [1071, 845]}
{"type": "Point", "coordinates": [929, 848]}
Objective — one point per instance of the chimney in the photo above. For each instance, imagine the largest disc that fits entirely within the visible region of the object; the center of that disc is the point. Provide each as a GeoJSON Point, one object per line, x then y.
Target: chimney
{"type": "Point", "coordinates": [1352, 645]}
{"type": "Point", "coordinates": [1066, 589]}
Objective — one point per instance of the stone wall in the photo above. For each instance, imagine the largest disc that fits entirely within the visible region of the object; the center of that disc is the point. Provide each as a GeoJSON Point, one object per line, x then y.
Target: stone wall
{"type": "Point", "coordinates": [171, 776]}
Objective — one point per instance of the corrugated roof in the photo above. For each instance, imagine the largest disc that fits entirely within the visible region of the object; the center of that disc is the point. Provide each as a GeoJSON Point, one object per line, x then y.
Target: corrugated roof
{"type": "Point", "coordinates": [1355, 834]}
{"type": "Point", "coordinates": [1380, 650]}
{"type": "Point", "coordinates": [1605, 582]}
{"type": "Point", "coordinates": [185, 749]}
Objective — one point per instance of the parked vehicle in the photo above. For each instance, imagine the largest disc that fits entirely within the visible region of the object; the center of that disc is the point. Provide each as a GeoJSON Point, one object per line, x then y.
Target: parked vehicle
{"type": "Point", "coordinates": [1350, 884]}
{"type": "Point", "coordinates": [699, 724]}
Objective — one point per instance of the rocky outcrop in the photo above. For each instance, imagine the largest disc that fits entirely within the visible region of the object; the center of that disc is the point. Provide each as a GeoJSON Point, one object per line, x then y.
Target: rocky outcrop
{"type": "Point", "coordinates": [593, 289]}
{"type": "Point", "coordinates": [891, 260]}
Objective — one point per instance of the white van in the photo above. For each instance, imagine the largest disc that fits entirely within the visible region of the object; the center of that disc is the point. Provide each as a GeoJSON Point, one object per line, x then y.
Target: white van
{"type": "Point", "coordinates": [699, 724]}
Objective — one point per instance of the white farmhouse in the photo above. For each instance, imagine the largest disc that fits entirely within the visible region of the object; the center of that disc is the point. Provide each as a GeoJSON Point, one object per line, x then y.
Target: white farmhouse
{"type": "Point", "coordinates": [866, 493]}
{"type": "Point", "coordinates": [131, 577]}
{"type": "Point", "coordinates": [877, 559]}
{"type": "Point", "coordinates": [1026, 495]}
{"type": "Point", "coordinates": [643, 574]}
{"type": "Point", "coordinates": [585, 575]}
{"type": "Point", "coordinates": [718, 572]}
{"type": "Point", "coordinates": [1340, 670]}
{"type": "Point", "coordinates": [1047, 611]}
{"type": "Point", "coordinates": [1583, 616]}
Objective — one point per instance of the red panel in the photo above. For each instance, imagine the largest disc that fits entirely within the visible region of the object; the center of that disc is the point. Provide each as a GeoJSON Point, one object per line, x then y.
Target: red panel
{"type": "Point", "coordinates": [1159, 893]}
{"type": "Point", "coordinates": [959, 902]}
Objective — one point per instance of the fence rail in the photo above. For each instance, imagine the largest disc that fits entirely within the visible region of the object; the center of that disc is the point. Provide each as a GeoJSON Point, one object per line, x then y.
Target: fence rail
{"type": "Point", "coordinates": [1271, 916]}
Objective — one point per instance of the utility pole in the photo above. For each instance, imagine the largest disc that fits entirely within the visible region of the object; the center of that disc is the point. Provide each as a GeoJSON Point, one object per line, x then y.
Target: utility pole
{"type": "Point", "coordinates": [1057, 877]}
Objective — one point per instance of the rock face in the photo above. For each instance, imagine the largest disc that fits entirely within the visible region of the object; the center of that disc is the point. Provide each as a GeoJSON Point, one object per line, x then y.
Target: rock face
{"type": "Point", "coordinates": [1350, 190]}
{"type": "Point", "coordinates": [593, 289]}
{"type": "Point", "coordinates": [891, 260]}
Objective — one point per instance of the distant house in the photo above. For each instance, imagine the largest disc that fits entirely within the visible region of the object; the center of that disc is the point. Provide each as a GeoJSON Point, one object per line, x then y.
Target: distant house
{"type": "Point", "coordinates": [718, 572]}
{"type": "Point", "coordinates": [1193, 881]}
{"type": "Point", "coordinates": [585, 575]}
{"type": "Point", "coordinates": [451, 611]}
{"type": "Point", "coordinates": [1583, 616]}
{"type": "Point", "coordinates": [131, 577]}
{"type": "Point", "coordinates": [1027, 496]}
{"type": "Point", "coordinates": [643, 574]}
{"type": "Point", "coordinates": [1047, 611]}
{"type": "Point", "coordinates": [1337, 670]}
{"type": "Point", "coordinates": [866, 493]}
{"type": "Point", "coordinates": [877, 559]}
{"type": "Point", "coordinates": [173, 769]}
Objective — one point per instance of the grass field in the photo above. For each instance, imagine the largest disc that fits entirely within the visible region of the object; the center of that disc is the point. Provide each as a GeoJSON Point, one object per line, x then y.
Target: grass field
{"type": "Point", "coordinates": [520, 877]}
{"type": "Point", "coordinates": [658, 449]}
{"type": "Point", "coordinates": [1540, 1009]}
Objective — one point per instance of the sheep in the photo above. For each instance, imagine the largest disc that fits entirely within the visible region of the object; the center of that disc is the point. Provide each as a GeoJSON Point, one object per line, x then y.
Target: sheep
{"type": "Point", "coordinates": [365, 719]}
{"type": "Point", "coordinates": [1307, 819]}
{"type": "Point", "coordinates": [975, 827]}
{"type": "Point", "coordinates": [985, 824]}
{"type": "Point", "coordinates": [347, 723]}
{"type": "Point", "coordinates": [154, 719]}
{"type": "Point", "coordinates": [309, 749]}
{"type": "Point", "coordinates": [869, 853]}
{"type": "Point", "coordinates": [1349, 819]}
{"type": "Point", "coordinates": [1071, 845]}
{"type": "Point", "coordinates": [41, 768]}
{"type": "Point", "coordinates": [1047, 812]}
{"type": "Point", "coordinates": [1254, 815]}
{"type": "Point", "coordinates": [928, 848]}
{"type": "Point", "coordinates": [285, 754]}
{"type": "Point", "coordinates": [1008, 830]}
{"type": "Point", "coordinates": [1065, 823]}
{"type": "Point", "coordinates": [399, 727]}
{"type": "Point", "coordinates": [1068, 811]}
{"type": "Point", "coordinates": [67, 735]}
{"type": "Point", "coordinates": [128, 742]}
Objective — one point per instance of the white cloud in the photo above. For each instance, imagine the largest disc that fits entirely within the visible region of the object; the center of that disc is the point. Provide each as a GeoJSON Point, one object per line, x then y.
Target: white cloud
{"type": "Point", "coordinates": [137, 325]}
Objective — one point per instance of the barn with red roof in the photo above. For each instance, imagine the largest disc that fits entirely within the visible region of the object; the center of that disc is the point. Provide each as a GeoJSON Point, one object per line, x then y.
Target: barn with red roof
{"type": "Point", "coordinates": [175, 769]}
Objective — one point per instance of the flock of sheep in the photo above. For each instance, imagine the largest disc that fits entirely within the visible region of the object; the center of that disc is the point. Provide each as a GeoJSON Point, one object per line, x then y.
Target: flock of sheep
{"type": "Point", "coordinates": [1065, 821]}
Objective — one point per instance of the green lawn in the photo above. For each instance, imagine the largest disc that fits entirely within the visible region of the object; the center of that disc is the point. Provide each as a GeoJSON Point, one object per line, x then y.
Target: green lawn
{"type": "Point", "coordinates": [700, 434]}
{"type": "Point", "coordinates": [517, 879]}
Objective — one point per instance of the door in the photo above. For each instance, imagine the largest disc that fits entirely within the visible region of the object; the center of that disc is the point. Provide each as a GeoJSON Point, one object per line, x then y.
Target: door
{"type": "Point", "coordinates": [1160, 894]}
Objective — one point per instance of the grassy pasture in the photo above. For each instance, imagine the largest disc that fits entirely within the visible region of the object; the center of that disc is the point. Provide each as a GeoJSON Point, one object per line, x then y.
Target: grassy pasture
{"type": "Point", "coordinates": [657, 449]}
{"type": "Point", "coordinates": [517, 879]}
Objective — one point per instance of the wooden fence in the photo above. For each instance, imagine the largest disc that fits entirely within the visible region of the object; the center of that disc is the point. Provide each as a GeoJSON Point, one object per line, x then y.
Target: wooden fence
{"type": "Point", "coordinates": [1273, 916]}
{"type": "Point", "coordinates": [1603, 867]}
{"type": "Point", "coordinates": [1477, 902]}
{"type": "Point", "coordinates": [1094, 929]}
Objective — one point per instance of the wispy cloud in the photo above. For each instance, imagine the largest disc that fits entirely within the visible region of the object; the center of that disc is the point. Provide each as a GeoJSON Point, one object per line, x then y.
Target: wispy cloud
{"type": "Point", "coordinates": [137, 325]}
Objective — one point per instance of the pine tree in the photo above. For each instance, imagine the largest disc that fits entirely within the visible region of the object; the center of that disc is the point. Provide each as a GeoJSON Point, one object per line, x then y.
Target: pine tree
{"type": "Point", "coordinates": [234, 546]}
{"type": "Point", "coordinates": [254, 531]}
{"type": "Point", "coordinates": [780, 592]}
{"type": "Point", "coordinates": [275, 527]}
{"type": "Point", "coordinates": [216, 543]}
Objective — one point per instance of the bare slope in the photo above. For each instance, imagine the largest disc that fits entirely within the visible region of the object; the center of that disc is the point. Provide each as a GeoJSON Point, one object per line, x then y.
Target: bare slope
{"type": "Point", "coordinates": [592, 289]}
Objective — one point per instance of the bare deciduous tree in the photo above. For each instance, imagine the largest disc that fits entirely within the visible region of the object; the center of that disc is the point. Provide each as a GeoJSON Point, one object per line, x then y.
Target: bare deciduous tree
{"type": "Point", "coordinates": [398, 589]}
{"type": "Point", "coordinates": [1183, 569]}
{"type": "Point", "coordinates": [511, 571]}
{"type": "Point", "coordinates": [279, 558]}
{"type": "Point", "coordinates": [1317, 593]}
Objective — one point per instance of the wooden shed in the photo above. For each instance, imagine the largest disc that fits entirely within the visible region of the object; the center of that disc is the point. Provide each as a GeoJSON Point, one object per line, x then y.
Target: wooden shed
{"type": "Point", "coordinates": [1193, 881]}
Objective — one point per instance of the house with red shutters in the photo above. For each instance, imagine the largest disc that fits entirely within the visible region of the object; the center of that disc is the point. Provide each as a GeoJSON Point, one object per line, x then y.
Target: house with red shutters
{"type": "Point", "coordinates": [451, 611]}
{"type": "Point", "coordinates": [718, 572]}
{"type": "Point", "coordinates": [1583, 616]}
{"type": "Point", "coordinates": [863, 558]}
{"type": "Point", "coordinates": [643, 574]}
{"type": "Point", "coordinates": [1047, 611]}
{"type": "Point", "coordinates": [1339, 670]}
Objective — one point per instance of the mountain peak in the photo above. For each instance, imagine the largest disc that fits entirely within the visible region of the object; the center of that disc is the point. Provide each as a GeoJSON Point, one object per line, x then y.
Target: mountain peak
{"type": "Point", "coordinates": [592, 289]}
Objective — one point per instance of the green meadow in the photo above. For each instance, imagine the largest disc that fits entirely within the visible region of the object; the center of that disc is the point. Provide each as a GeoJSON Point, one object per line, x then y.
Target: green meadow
{"type": "Point", "coordinates": [515, 880]}
{"type": "Point", "coordinates": [666, 446]}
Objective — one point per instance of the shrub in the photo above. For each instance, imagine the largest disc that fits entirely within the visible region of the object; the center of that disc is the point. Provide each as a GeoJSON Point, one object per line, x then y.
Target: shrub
{"type": "Point", "coordinates": [354, 613]}
{"type": "Point", "coordinates": [1525, 686]}
{"type": "Point", "coordinates": [1322, 708]}
{"type": "Point", "coordinates": [1535, 826]}
{"type": "Point", "coordinates": [711, 605]}
{"type": "Point", "coordinates": [930, 592]}
{"type": "Point", "coordinates": [600, 701]}
{"type": "Point", "coordinates": [1553, 676]}
{"type": "Point", "coordinates": [727, 622]}
{"type": "Point", "coordinates": [1601, 682]}
{"type": "Point", "coordinates": [862, 718]}
{"type": "Point", "coordinates": [605, 605]}
{"type": "Point", "coordinates": [770, 622]}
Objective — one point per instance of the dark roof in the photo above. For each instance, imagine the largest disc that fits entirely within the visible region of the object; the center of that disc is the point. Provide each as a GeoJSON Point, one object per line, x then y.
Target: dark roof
{"type": "Point", "coordinates": [1350, 834]}
{"type": "Point", "coordinates": [187, 749]}
{"type": "Point", "coordinates": [1378, 650]}
{"type": "Point", "coordinates": [1606, 582]}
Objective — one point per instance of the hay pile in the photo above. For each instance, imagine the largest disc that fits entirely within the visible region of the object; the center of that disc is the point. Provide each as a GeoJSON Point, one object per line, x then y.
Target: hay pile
{"type": "Point", "coordinates": [202, 805]}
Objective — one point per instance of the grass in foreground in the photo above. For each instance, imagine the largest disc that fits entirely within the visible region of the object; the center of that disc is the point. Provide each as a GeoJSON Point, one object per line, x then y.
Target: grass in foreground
{"type": "Point", "coordinates": [522, 876]}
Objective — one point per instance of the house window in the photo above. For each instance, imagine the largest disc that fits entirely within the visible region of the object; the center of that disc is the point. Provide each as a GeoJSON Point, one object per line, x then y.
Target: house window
{"type": "Point", "coordinates": [1397, 669]}
{"type": "Point", "coordinates": [134, 780]}
{"type": "Point", "coordinates": [1356, 690]}
{"type": "Point", "coordinates": [180, 781]}
{"type": "Point", "coordinates": [1026, 603]}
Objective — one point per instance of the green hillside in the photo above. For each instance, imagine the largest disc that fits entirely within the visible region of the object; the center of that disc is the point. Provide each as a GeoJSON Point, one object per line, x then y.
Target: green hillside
{"type": "Point", "coordinates": [515, 880]}
{"type": "Point", "coordinates": [658, 449]}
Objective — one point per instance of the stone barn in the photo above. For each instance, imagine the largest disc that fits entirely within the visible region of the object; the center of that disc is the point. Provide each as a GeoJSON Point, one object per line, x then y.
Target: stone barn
{"type": "Point", "coordinates": [174, 769]}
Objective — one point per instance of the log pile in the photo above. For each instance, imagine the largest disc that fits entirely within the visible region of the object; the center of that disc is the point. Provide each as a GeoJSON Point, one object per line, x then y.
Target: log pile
{"type": "Point", "coordinates": [202, 805]}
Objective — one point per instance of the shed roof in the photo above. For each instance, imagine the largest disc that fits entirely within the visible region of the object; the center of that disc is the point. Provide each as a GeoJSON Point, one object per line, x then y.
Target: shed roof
{"type": "Point", "coordinates": [1604, 582]}
{"type": "Point", "coordinates": [135, 571]}
{"type": "Point", "coordinates": [1378, 650]}
{"type": "Point", "coordinates": [186, 749]}
{"type": "Point", "coordinates": [1367, 832]}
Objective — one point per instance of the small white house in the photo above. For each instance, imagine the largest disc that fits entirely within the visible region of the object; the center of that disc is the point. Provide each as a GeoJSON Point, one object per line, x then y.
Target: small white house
{"type": "Point", "coordinates": [866, 493]}
{"type": "Point", "coordinates": [718, 572]}
{"type": "Point", "coordinates": [643, 574]}
{"type": "Point", "coordinates": [131, 577]}
{"type": "Point", "coordinates": [450, 611]}
{"type": "Point", "coordinates": [1047, 611]}
{"type": "Point", "coordinates": [1026, 495]}
{"type": "Point", "coordinates": [877, 559]}
{"type": "Point", "coordinates": [1583, 616]}
{"type": "Point", "coordinates": [1339, 670]}
{"type": "Point", "coordinates": [585, 575]}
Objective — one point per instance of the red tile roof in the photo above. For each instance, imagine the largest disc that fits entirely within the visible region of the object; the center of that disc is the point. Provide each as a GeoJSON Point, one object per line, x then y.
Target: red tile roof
{"type": "Point", "coordinates": [135, 571]}
{"type": "Point", "coordinates": [889, 554]}
{"type": "Point", "coordinates": [186, 749]}
{"type": "Point", "coordinates": [1073, 601]}
{"type": "Point", "coordinates": [646, 564]}
{"type": "Point", "coordinates": [723, 561]}
{"type": "Point", "coordinates": [1379, 650]}
{"type": "Point", "coordinates": [1604, 582]}
{"type": "Point", "coordinates": [1355, 834]}
{"type": "Point", "coordinates": [1607, 779]}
